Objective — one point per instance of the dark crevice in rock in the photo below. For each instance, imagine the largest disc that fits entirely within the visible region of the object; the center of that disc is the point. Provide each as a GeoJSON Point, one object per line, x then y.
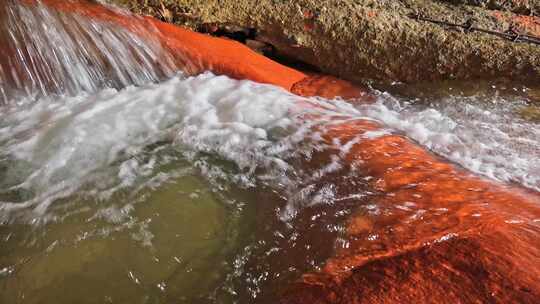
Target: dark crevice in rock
{"type": "Point", "coordinates": [258, 42]}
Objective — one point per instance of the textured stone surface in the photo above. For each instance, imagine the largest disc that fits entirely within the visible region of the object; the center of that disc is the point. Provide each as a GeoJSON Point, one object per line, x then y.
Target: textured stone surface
{"type": "Point", "coordinates": [528, 7]}
{"type": "Point", "coordinates": [369, 39]}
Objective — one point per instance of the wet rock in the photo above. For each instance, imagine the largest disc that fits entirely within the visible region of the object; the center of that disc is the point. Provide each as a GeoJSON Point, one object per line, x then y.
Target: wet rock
{"type": "Point", "coordinates": [467, 253]}
{"type": "Point", "coordinates": [331, 87]}
{"type": "Point", "coordinates": [425, 275]}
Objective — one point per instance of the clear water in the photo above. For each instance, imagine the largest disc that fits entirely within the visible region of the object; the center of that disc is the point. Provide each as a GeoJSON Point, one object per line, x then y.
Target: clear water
{"type": "Point", "coordinates": [154, 187]}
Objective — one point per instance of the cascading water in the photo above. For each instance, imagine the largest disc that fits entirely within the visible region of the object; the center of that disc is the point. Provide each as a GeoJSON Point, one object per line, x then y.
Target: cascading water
{"type": "Point", "coordinates": [45, 51]}
{"type": "Point", "coordinates": [124, 180]}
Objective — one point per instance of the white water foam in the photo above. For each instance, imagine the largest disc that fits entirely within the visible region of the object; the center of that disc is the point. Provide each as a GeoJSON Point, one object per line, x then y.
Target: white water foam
{"type": "Point", "coordinates": [53, 147]}
{"type": "Point", "coordinates": [481, 133]}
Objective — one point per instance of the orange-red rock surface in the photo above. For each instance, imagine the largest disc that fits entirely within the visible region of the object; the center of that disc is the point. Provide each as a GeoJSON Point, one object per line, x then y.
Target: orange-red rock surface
{"type": "Point", "coordinates": [463, 240]}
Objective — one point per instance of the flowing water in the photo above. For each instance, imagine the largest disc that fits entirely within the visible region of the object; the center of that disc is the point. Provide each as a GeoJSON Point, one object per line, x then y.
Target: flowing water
{"type": "Point", "coordinates": [124, 181]}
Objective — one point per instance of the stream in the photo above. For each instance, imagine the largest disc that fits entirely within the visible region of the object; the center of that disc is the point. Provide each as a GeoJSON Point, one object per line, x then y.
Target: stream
{"type": "Point", "coordinates": [125, 180]}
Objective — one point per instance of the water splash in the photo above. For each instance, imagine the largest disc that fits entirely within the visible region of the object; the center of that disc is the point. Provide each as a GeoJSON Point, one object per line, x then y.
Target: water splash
{"type": "Point", "coordinates": [482, 133]}
{"type": "Point", "coordinates": [56, 145]}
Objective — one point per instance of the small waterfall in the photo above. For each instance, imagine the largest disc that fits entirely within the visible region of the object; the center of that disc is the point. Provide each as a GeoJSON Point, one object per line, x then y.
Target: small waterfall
{"type": "Point", "coordinates": [45, 51]}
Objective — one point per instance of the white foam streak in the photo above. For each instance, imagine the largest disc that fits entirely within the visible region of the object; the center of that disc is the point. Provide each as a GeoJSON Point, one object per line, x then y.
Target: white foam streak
{"type": "Point", "coordinates": [483, 134]}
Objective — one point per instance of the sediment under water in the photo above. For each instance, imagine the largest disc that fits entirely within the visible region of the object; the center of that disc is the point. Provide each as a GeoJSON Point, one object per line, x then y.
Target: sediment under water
{"type": "Point", "coordinates": [143, 185]}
